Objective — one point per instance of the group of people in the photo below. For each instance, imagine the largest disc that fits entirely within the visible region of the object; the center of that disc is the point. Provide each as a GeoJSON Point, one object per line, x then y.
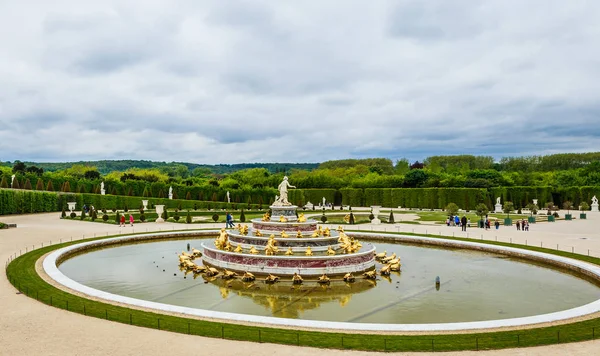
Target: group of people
{"type": "Point", "coordinates": [457, 221]}
{"type": "Point", "coordinates": [522, 225]}
{"type": "Point", "coordinates": [122, 221]}
{"type": "Point", "coordinates": [228, 220]}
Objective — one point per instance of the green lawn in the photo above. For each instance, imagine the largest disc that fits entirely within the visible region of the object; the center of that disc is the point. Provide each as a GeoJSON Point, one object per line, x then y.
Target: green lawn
{"type": "Point", "coordinates": [21, 273]}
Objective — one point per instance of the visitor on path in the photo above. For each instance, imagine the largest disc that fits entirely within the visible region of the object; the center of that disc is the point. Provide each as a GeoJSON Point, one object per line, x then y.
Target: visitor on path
{"type": "Point", "coordinates": [525, 225]}
{"type": "Point", "coordinates": [228, 220]}
{"type": "Point", "coordinates": [463, 223]}
{"type": "Point", "coordinates": [469, 222]}
{"type": "Point", "coordinates": [518, 225]}
{"type": "Point", "coordinates": [457, 220]}
{"type": "Point", "coordinates": [131, 219]}
{"type": "Point", "coordinates": [122, 221]}
{"type": "Point", "coordinates": [497, 224]}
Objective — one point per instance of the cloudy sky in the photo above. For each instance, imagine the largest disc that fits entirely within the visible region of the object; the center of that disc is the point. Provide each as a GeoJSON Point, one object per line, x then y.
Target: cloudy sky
{"type": "Point", "coordinates": [297, 81]}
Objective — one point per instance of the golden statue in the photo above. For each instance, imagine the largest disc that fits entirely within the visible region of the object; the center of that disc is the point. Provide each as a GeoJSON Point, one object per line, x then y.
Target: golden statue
{"type": "Point", "coordinates": [389, 258]}
{"type": "Point", "coordinates": [380, 256]}
{"type": "Point", "coordinates": [284, 234]}
{"type": "Point", "coordinates": [340, 228]}
{"type": "Point", "coordinates": [330, 251]}
{"type": "Point", "coordinates": [289, 252]}
{"type": "Point", "coordinates": [395, 261]}
{"type": "Point", "coordinates": [258, 233]}
{"type": "Point", "coordinates": [308, 251]}
{"type": "Point", "coordinates": [385, 270]}
{"type": "Point", "coordinates": [299, 234]}
{"type": "Point", "coordinates": [228, 274]}
{"type": "Point", "coordinates": [326, 232]}
{"type": "Point", "coordinates": [324, 279]}
{"type": "Point", "coordinates": [370, 275]}
{"type": "Point", "coordinates": [320, 229]}
{"type": "Point", "coordinates": [271, 279]}
{"type": "Point", "coordinates": [196, 253]}
{"type": "Point", "coordinates": [238, 249]}
{"type": "Point", "coordinates": [347, 218]}
{"type": "Point", "coordinates": [244, 230]}
{"type": "Point", "coordinates": [270, 248]}
{"type": "Point", "coordinates": [395, 267]}
{"type": "Point", "coordinates": [248, 277]}
{"type": "Point", "coordinates": [199, 269]}
{"type": "Point", "coordinates": [221, 241]}
{"type": "Point", "coordinates": [211, 272]}
{"type": "Point", "coordinates": [315, 233]}
{"type": "Point", "coordinates": [348, 277]}
{"type": "Point", "coordinates": [282, 219]}
{"type": "Point", "coordinates": [228, 247]}
{"type": "Point", "coordinates": [253, 250]}
{"type": "Point", "coordinates": [297, 279]}
{"type": "Point", "coordinates": [343, 237]}
{"type": "Point", "coordinates": [301, 218]}
{"type": "Point", "coordinates": [266, 217]}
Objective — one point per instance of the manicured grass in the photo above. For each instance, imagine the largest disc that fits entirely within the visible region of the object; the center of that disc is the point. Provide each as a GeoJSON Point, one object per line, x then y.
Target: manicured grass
{"type": "Point", "coordinates": [21, 273]}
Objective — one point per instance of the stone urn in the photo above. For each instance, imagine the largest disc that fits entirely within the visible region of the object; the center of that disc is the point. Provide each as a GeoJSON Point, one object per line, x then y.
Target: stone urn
{"type": "Point", "coordinates": [376, 209]}
{"type": "Point", "coordinates": [145, 204]}
{"type": "Point", "coordinates": [72, 206]}
{"type": "Point", "coordinates": [159, 210]}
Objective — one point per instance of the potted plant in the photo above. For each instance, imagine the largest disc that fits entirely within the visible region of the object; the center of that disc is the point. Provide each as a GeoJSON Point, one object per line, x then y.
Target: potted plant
{"type": "Point", "coordinates": [508, 207]}
{"type": "Point", "coordinates": [533, 209]}
{"type": "Point", "coordinates": [584, 207]}
{"type": "Point", "coordinates": [550, 206]}
{"type": "Point", "coordinates": [567, 205]}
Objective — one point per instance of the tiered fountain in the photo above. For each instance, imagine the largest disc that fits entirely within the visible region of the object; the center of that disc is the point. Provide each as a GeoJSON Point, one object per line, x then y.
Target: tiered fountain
{"type": "Point", "coordinates": [284, 244]}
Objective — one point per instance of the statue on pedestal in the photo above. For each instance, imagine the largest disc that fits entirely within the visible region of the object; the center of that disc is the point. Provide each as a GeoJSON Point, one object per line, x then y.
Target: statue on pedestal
{"type": "Point", "coordinates": [228, 199]}
{"type": "Point", "coordinates": [283, 190]}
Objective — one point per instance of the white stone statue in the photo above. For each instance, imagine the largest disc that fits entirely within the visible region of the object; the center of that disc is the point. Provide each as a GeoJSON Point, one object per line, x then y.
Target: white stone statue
{"type": "Point", "coordinates": [283, 190]}
{"type": "Point", "coordinates": [102, 186]}
{"type": "Point", "coordinates": [228, 199]}
{"type": "Point", "coordinates": [170, 192]}
{"type": "Point", "coordinates": [324, 201]}
{"type": "Point", "coordinates": [12, 179]}
{"type": "Point", "coordinates": [594, 199]}
{"type": "Point", "coordinates": [498, 200]}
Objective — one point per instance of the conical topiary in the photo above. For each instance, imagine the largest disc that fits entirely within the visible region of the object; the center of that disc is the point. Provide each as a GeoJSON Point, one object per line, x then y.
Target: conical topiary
{"type": "Point", "coordinates": [391, 219]}
{"type": "Point", "coordinates": [40, 184]}
{"type": "Point", "coordinates": [4, 182]}
{"type": "Point", "coordinates": [15, 184]}
{"type": "Point", "coordinates": [50, 186]}
{"type": "Point", "coordinates": [242, 216]}
{"type": "Point", "coordinates": [188, 218]}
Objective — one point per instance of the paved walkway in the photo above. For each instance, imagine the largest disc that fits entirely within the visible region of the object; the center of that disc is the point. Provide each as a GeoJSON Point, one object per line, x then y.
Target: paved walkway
{"type": "Point", "coordinates": [28, 327]}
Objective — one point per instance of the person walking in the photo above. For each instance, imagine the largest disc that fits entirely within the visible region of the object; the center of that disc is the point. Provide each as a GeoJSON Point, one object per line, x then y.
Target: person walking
{"type": "Point", "coordinates": [523, 225]}
{"type": "Point", "coordinates": [518, 223]}
{"type": "Point", "coordinates": [497, 224]}
{"type": "Point", "coordinates": [122, 220]}
{"type": "Point", "coordinates": [130, 219]}
{"type": "Point", "coordinates": [463, 223]}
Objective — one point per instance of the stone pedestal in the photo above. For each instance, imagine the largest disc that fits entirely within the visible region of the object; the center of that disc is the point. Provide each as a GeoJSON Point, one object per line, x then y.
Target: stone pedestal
{"type": "Point", "coordinates": [498, 208]}
{"type": "Point", "coordinates": [159, 210]}
{"type": "Point", "coordinates": [145, 204]}
{"type": "Point", "coordinates": [595, 207]}
{"type": "Point", "coordinates": [171, 196]}
{"type": "Point", "coordinates": [287, 211]}
{"type": "Point", "coordinates": [103, 191]}
{"type": "Point", "coordinates": [376, 209]}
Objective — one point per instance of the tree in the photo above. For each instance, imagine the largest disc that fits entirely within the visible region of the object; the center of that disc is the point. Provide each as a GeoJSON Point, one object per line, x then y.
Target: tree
{"type": "Point", "coordinates": [40, 184]}
{"type": "Point", "coordinates": [508, 207]}
{"type": "Point", "coordinates": [584, 206]}
{"type": "Point", "coordinates": [63, 213]}
{"type": "Point", "coordinates": [27, 184]}
{"type": "Point", "coordinates": [66, 187]}
{"type": "Point", "coordinates": [481, 210]}
{"type": "Point", "coordinates": [452, 209]}
{"type": "Point", "coordinates": [50, 186]}
{"type": "Point", "coordinates": [533, 208]}
{"type": "Point", "coordinates": [146, 192]}
{"type": "Point", "coordinates": [118, 218]}
{"type": "Point", "coordinates": [391, 219]}
{"type": "Point", "coordinates": [82, 214]}
{"type": "Point", "coordinates": [351, 222]}
{"type": "Point", "coordinates": [15, 184]}
{"type": "Point", "coordinates": [567, 205]}
{"type": "Point", "coordinates": [165, 214]}
{"type": "Point", "coordinates": [176, 217]}
{"type": "Point", "coordinates": [91, 175]}
{"type": "Point", "coordinates": [19, 167]}
{"type": "Point", "coordinates": [188, 196]}
{"type": "Point", "coordinates": [242, 216]}
{"type": "Point", "coordinates": [188, 217]}
{"type": "Point", "coordinates": [3, 183]}
{"type": "Point", "coordinates": [415, 178]}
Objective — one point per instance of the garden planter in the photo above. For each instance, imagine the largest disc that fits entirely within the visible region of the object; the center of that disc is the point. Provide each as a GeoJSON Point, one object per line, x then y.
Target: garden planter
{"type": "Point", "coordinates": [568, 217]}
{"type": "Point", "coordinates": [551, 218]}
{"type": "Point", "coordinates": [582, 216]}
{"type": "Point", "coordinates": [508, 222]}
{"type": "Point", "coordinates": [531, 219]}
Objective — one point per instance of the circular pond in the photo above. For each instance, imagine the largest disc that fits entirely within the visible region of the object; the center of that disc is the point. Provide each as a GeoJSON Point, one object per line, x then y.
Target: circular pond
{"type": "Point", "coordinates": [475, 286]}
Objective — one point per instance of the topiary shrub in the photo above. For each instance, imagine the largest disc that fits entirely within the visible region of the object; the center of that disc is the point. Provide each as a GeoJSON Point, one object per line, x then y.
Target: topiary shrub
{"type": "Point", "coordinates": [126, 208]}
{"type": "Point", "coordinates": [94, 215]}
{"type": "Point", "coordinates": [176, 217]}
{"type": "Point", "coordinates": [105, 218]}
{"type": "Point", "coordinates": [188, 218]}
{"type": "Point", "coordinates": [142, 217]}
{"type": "Point", "coordinates": [165, 215]}
{"type": "Point", "coordinates": [243, 216]}
{"type": "Point", "coordinates": [215, 217]}
{"type": "Point", "coordinates": [371, 216]}
{"type": "Point", "coordinates": [351, 219]}
{"type": "Point", "coordinates": [118, 218]}
{"type": "Point", "coordinates": [63, 213]}
{"type": "Point", "coordinates": [323, 218]}
{"type": "Point", "coordinates": [391, 219]}
{"type": "Point", "coordinates": [83, 214]}
{"type": "Point", "coordinates": [73, 215]}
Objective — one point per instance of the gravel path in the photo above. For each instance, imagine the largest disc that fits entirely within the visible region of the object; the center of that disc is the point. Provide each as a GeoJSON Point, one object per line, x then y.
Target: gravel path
{"type": "Point", "coordinates": [31, 328]}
